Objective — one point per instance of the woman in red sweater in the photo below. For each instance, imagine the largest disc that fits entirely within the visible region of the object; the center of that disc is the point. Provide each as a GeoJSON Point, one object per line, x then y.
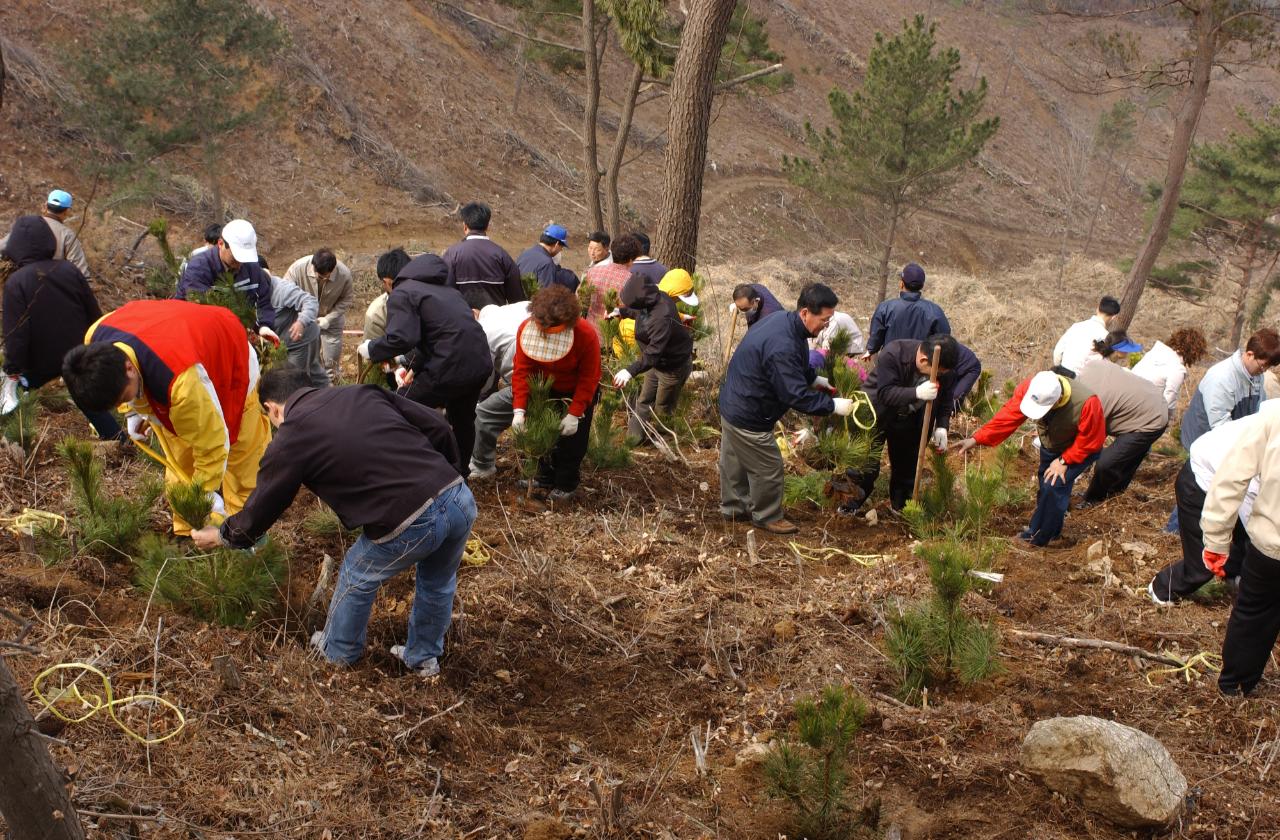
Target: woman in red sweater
{"type": "Point", "coordinates": [557, 343]}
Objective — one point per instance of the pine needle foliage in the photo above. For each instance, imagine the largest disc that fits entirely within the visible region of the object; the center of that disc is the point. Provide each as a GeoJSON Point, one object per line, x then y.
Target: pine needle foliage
{"type": "Point", "coordinates": [839, 448]}
{"type": "Point", "coordinates": [965, 511]}
{"type": "Point", "coordinates": [608, 447]}
{"type": "Point", "coordinates": [529, 281]}
{"type": "Point", "coordinates": [934, 641]}
{"type": "Point", "coordinates": [811, 772]}
{"type": "Point", "coordinates": [191, 502]}
{"type": "Point", "coordinates": [105, 525]}
{"type": "Point", "coordinates": [225, 294]}
{"type": "Point", "coordinates": [799, 489]}
{"type": "Point", "coordinates": [322, 522]}
{"type": "Point", "coordinates": [225, 586]}
{"type": "Point", "coordinates": [19, 426]}
{"type": "Point", "coordinates": [541, 431]}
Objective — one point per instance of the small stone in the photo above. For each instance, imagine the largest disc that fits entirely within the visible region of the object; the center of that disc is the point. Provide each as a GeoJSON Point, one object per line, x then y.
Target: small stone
{"type": "Point", "coordinates": [872, 517]}
{"type": "Point", "coordinates": [752, 754]}
{"type": "Point", "coordinates": [503, 676]}
{"type": "Point", "coordinates": [785, 630]}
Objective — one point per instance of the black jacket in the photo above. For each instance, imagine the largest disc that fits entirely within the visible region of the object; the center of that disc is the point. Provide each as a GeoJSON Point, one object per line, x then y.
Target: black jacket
{"type": "Point", "coordinates": [769, 373]}
{"type": "Point", "coordinates": [48, 304]}
{"type": "Point", "coordinates": [536, 261]}
{"type": "Point", "coordinates": [663, 340]}
{"type": "Point", "coordinates": [373, 456]}
{"type": "Point", "coordinates": [426, 316]}
{"type": "Point", "coordinates": [892, 387]}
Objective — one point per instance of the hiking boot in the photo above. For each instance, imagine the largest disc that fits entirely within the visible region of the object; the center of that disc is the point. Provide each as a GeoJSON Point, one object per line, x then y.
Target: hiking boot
{"type": "Point", "coordinates": [1156, 599]}
{"type": "Point", "coordinates": [476, 471]}
{"type": "Point", "coordinates": [427, 668]}
{"type": "Point", "coordinates": [562, 495]}
{"type": "Point", "coordinates": [781, 527]}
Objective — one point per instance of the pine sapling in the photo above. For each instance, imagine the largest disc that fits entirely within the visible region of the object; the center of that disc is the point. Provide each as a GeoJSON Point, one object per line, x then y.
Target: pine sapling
{"type": "Point", "coordinates": [225, 294]}
{"type": "Point", "coordinates": [541, 431]}
{"type": "Point", "coordinates": [19, 426]}
{"type": "Point", "coordinates": [106, 525]}
{"type": "Point", "coordinates": [191, 502]}
{"type": "Point", "coordinates": [226, 586]}
{"type": "Point", "coordinates": [810, 773]}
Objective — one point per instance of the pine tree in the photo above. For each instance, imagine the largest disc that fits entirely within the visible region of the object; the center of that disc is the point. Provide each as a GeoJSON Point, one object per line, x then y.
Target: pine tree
{"type": "Point", "coordinates": [541, 431]}
{"type": "Point", "coordinates": [902, 137]}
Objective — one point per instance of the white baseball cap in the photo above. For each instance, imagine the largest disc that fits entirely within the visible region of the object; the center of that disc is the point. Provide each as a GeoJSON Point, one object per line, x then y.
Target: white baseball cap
{"type": "Point", "coordinates": [1042, 395]}
{"type": "Point", "coordinates": [241, 238]}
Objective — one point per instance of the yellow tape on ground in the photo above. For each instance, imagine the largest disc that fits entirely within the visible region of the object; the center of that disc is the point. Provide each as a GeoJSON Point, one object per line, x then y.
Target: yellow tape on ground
{"type": "Point", "coordinates": [827, 552]}
{"type": "Point", "coordinates": [95, 703]}
{"type": "Point", "coordinates": [32, 520]}
{"type": "Point", "coordinates": [476, 552]}
{"type": "Point", "coordinates": [1208, 661]}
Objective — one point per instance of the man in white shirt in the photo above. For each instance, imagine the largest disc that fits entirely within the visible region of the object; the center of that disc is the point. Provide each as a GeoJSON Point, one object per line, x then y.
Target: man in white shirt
{"type": "Point", "coordinates": [494, 411]}
{"type": "Point", "coordinates": [1075, 349]}
{"type": "Point", "coordinates": [839, 321]}
{"type": "Point", "coordinates": [1179, 580]}
{"type": "Point", "coordinates": [1255, 618]}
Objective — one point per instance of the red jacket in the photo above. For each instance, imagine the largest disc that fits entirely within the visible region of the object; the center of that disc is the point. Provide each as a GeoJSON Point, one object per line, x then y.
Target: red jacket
{"type": "Point", "coordinates": [577, 374]}
{"type": "Point", "coordinates": [1090, 435]}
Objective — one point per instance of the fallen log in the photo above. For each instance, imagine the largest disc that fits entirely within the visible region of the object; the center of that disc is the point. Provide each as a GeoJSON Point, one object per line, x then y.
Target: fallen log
{"type": "Point", "coordinates": [1097, 644]}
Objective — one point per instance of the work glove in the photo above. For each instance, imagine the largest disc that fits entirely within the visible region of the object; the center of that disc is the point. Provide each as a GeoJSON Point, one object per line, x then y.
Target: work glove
{"type": "Point", "coordinates": [843, 407]}
{"type": "Point", "coordinates": [568, 426]}
{"type": "Point", "coordinates": [821, 383]}
{"type": "Point", "coordinates": [404, 377]}
{"type": "Point", "coordinates": [363, 350]}
{"type": "Point", "coordinates": [803, 439]}
{"type": "Point", "coordinates": [1215, 562]}
{"type": "Point", "coordinates": [325, 321]}
{"type": "Point", "coordinates": [621, 378]}
{"type": "Point", "coordinates": [136, 425]}
{"type": "Point", "coordinates": [940, 439]}
{"type": "Point", "coordinates": [616, 313]}
{"type": "Point", "coordinates": [517, 420]}
{"type": "Point", "coordinates": [9, 396]}
{"type": "Point", "coordinates": [270, 335]}
{"type": "Point", "coordinates": [927, 391]}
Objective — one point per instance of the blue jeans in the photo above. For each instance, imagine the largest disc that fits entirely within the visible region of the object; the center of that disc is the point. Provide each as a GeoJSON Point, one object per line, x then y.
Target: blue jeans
{"type": "Point", "coordinates": [1052, 500]}
{"type": "Point", "coordinates": [434, 544]}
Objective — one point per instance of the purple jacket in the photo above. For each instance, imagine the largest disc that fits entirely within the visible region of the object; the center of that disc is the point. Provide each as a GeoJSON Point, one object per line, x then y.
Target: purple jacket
{"type": "Point", "coordinates": [204, 269]}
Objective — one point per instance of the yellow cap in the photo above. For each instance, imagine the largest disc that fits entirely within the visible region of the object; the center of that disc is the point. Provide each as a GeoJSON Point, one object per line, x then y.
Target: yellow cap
{"type": "Point", "coordinates": [678, 284]}
{"type": "Point", "coordinates": [626, 333]}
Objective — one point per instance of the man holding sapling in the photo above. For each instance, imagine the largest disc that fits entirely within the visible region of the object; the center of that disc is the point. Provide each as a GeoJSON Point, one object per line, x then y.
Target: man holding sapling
{"type": "Point", "coordinates": [900, 386]}
{"type": "Point", "coordinates": [501, 324]}
{"type": "Point", "coordinates": [411, 503]}
{"type": "Point", "coordinates": [297, 314]}
{"type": "Point", "coordinates": [189, 372]}
{"type": "Point", "coordinates": [769, 374]}
{"type": "Point", "coordinates": [236, 254]}
{"type": "Point", "coordinates": [1072, 430]}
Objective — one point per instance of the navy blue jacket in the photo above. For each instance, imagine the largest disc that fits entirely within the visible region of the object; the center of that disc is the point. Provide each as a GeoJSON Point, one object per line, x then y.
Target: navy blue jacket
{"type": "Point", "coordinates": [910, 316]}
{"type": "Point", "coordinates": [768, 374]}
{"type": "Point", "coordinates": [768, 305]}
{"type": "Point", "coordinates": [204, 269]}
{"type": "Point", "coordinates": [536, 261]}
{"type": "Point", "coordinates": [650, 269]}
{"type": "Point", "coordinates": [967, 371]}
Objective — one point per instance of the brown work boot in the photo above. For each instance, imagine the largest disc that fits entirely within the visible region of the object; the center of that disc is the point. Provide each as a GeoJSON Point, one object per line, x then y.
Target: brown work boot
{"type": "Point", "coordinates": [781, 526]}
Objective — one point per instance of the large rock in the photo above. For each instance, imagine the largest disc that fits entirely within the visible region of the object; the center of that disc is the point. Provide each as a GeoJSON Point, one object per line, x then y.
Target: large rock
{"type": "Point", "coordinates": [1121, 773]}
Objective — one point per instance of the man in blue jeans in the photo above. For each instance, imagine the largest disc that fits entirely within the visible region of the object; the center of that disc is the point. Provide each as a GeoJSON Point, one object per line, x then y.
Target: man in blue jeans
{"type": "Point", "coordinates": [1072, 430]}
{"type": "Point", "coordinates": [410, 501]}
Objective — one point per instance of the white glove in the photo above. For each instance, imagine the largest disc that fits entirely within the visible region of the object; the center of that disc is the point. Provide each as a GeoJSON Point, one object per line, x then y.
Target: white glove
{"type": "Point", "coordinates": [940, 439]}
{"type": "Point", "coordinates": [9, 396]}
{"type": "Point", "coordinates": [517, 420]}
{"type": "Point", "coordinates": [616, 313]}
{"type": "Point", "coordinates": [621, 378]}
{"type": "Point", "coordinates": [136, 425]}
{"type": "Point", "coordinates": [844, 407]}
{"type": "Point", "coordinates": [404, 377]}
{"type": "Point", "coordinates": [363, 349]}
{"type": "Point", "coordinates": [568, 426]}
{"type": "Point", "coordinates": [733, 308]}
{"type": "Point", "coordinates": [803, 439]}
{"type": "Point", "coordinates": [218, 506]}
{"type": "Point", "coordinates": [325, 321]}
{"type": "Point", "coordinates": [821, 383]}
{"type": "Point", "coordinates": [927, 391]}
{"type": "Point", "coordinates": [270, 335]}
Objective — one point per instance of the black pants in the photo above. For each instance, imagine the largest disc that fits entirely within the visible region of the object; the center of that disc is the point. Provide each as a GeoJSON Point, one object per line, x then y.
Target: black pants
{"type": "Point", "coordinates": [459, 406]}
{"type": "Point", "coordinates": [1178, 580]}
{"type": "Point", "coordinates": [1253, 626]}
{"type": "Point", "coordinates": [562, 469]}
{"type": "Point", "coordinates": [1117, 463]}
{"type": "Point", "coordinates": [902, 440]}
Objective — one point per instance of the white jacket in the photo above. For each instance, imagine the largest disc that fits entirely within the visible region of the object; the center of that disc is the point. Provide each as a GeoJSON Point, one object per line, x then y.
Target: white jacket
{"type": "Point", "coordinates": [1075, 349]}
{"type": "Point", "coordinates": [1207, 455]}
{"type": "Point", "coordinates": [1256, 453]}
{"type": "Point", "coordinates": [501, 324]}
{"type": "Point", "coordinates": [839, 321]}
{"type": "Point", "coordinates": [1163, 367]}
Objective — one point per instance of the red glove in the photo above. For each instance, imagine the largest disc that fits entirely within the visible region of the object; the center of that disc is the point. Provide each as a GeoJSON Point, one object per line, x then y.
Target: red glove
{"type": "Point", "coordinates": [1215, 562]}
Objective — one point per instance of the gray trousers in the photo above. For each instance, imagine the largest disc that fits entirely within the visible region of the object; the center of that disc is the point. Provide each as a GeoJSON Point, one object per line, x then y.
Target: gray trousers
{"type": "Point", "coordinates": [661, 390]}
{"type": "Point", "coordinates": [331, 344]}
{"type": "Point", "coordinates": [493, 417]}
{"type": "Point", "coordinates": [304, 354]}
{"type": "Point", "coordinates": [751, 474]}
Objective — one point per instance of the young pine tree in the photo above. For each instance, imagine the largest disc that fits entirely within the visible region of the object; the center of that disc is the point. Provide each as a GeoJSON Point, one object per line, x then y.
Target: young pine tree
{"type": "Point", "coordinates": [541, 431]}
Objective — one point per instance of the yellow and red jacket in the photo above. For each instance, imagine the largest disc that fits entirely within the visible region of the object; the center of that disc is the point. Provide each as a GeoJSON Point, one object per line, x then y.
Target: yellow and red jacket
{"type": "Point", "coordinates": [198, 371]}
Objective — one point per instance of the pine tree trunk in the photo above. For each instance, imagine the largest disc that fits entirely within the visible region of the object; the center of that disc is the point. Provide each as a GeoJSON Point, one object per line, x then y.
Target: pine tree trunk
{"type": "Point", "coordinates": [887, 253]}
{"type": "Point", "coordinates": [613, 203]}
{"type": "Point", "coordinates": [692, 91]}
{"type": "Point", "coordinates": [1206, 40]}
{"type": "Point", "coordinates": [1242, 299]}
{"type": "Point", "coordinates": [590, 145]}
{"type": "Point", "coordinates": [33, 796]}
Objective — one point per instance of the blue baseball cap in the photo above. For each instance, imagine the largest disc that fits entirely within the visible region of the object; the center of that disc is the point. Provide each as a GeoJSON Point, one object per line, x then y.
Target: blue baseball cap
{"type": "Point", "coordinates": [558, 233]}
{"type": "Point", "coordinates": [60, 199]}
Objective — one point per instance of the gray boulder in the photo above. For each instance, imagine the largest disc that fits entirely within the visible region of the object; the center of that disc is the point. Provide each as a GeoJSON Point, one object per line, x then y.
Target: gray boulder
{"type": "Point", "coordinates": [1115, 770]}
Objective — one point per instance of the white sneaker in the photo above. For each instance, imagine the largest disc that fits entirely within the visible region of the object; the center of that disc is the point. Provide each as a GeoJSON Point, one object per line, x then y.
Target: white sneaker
{"type": "Point", "coordinates": [477, 471]}
{"type": "Point", "coordinates": [429, 668]}
{"type": "Point", "coordinates": [1156, 599]}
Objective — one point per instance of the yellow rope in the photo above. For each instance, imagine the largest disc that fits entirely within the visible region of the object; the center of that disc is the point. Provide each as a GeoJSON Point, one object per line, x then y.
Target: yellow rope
{"type": "Point", "coordinates": [861, 399]}
{"type": "Point", "coordinates": [95, 703]}
{"type": "Point", "coordinates": [1208, 661]}
{"type": "Point", "coordinates": [476, 552]}
{"type": "Point", "coordinates": [32, 520]}
{"type": "Point", "coordinates": [827, 552]}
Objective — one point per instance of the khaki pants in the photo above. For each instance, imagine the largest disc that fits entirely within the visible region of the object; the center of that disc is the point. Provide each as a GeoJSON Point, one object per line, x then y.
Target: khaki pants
{"type": "Point", "coordinates": [661, 390]}
{"type": "Point", "coordinates": [751, 474]}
